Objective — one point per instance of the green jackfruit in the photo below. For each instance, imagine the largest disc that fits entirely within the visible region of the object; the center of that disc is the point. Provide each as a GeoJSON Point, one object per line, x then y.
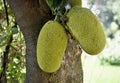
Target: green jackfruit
{"type": "Point", "coordinates": [51, 45]}
{"type": "Point", "coordinates": [76, 3]}
{"type": "Point", "coordinates": [86, 29]}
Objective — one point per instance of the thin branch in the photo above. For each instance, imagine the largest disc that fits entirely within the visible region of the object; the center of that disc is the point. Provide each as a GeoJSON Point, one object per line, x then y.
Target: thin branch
{"type": "Point", "coordinates": [3, 78]}
{"type": "Point", "coordinates": [5, 62]}
{"type": "Point", "coordinates": [6, 12]}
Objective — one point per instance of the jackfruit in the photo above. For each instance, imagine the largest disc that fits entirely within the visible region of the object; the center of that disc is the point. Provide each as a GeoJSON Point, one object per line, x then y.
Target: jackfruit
{"type": "Point", "coordinates": [86, 29]}
{"type": "Point", "coordinates": [76, 3]}
{"type": "Point", "coordinates": [51, 45]}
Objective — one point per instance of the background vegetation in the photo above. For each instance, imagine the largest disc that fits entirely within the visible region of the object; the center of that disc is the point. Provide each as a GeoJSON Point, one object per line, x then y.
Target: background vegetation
{"type": "Point", "coordinates": [104, 68]}
{"type": "Point", "coordinates": [12, 47]}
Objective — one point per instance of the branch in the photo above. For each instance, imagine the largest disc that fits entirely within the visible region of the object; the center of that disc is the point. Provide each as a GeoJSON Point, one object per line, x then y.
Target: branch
{"type": "Point", "coordinates": [7, 49]}
{"type": "Point", "coordinates": [6, 12]}
{"type": "Point", "coordinates": [5, 62]}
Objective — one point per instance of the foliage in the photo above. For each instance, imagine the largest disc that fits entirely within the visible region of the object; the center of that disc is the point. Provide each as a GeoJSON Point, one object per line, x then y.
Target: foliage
{"type": "Point", "coordinates": [111, 54]}
{"type": "Point", "coordinates": [16, 57]}
{"type": "Point", "coordinates": [16, 66]}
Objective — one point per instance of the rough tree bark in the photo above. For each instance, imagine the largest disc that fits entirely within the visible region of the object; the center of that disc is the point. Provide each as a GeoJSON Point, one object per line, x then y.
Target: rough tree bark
{"type": "Point", "coordinates": [31, 16]}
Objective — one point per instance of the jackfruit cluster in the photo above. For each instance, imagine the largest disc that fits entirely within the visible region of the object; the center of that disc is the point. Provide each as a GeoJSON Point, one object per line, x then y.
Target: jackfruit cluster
{"type": "Point", "coordinates": [82, 24]}
{"type": "Point", "coordinates": [51, 45]}
{"type": "Point", "coordinates": [86, 29]}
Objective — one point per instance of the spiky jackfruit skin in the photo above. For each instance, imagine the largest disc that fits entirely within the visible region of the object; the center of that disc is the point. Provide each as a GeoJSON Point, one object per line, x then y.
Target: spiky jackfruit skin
{"type": "Point", "coordinates": [86, 29]}
{"type": "Point", "coordinates": [51, 46]}
{"type": "Point", "coordinates": [76, 3]}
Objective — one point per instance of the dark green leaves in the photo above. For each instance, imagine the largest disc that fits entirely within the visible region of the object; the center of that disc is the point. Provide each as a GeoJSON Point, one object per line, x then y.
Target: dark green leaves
{"type": "Point", "coordinates": [15, 30]}
{"type": "Point", "coordinates": [56, 4]}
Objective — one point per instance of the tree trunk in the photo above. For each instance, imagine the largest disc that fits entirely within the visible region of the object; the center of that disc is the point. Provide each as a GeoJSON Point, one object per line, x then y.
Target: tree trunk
{"type": "Point", "coordinates": [31, 16]}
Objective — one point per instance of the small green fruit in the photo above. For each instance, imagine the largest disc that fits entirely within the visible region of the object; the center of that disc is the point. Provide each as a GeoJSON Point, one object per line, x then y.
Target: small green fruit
{"type": "Point", "coordinates": [51, 46]}
{"type": "Point", "coordinates": [76, 3]}
{"type": "Point", "coordinates": [86, 29]}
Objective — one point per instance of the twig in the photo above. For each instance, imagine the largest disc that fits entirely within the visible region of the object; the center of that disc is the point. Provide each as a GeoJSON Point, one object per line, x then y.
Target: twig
{"type": "Point", "coordinates": [5, 62]}
{"type": "Point", "coordinates": [3, 78]}
{"type": "Point", "coordinates": [6, 12]}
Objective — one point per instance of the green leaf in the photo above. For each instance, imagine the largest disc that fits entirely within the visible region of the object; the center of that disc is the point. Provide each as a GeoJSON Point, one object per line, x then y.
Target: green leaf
{"type": "Point", "coordinates": [4, 39]}
{"type": "Point", "coordinates": [56, 4]}
{"type": "Point", "coordinates": [14, 30]}
{"type": "Point", "coordinates": [1, 29]}
{"type": "Point", "coordinates": [50, 4]}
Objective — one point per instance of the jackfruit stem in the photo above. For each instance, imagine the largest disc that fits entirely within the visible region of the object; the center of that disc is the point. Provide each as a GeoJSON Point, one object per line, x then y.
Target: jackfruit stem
{"type": "Point", "coordinates": [57, 18]}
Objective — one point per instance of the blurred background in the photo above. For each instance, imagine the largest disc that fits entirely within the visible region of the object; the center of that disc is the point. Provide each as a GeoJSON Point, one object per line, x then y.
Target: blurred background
{"type": "Point", "coordinates": [102, 68]}
{"type": "Point", "coordinates": [105, 67]}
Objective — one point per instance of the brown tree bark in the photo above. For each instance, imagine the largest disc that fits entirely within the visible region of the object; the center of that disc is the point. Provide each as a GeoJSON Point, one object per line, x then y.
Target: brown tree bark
{"type": "Point", "coordinates": [31, 16]}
